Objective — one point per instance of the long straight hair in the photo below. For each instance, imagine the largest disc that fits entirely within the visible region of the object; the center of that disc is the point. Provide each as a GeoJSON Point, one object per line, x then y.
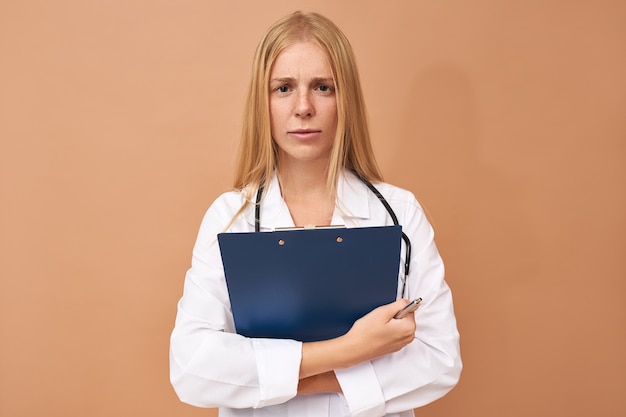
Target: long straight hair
{"type": "Point", "coordinates": [352, 149]}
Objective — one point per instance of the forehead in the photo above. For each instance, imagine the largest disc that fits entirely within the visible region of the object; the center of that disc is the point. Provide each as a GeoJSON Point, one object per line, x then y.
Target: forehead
{"type": "Point", "coordinates": [301, 58]}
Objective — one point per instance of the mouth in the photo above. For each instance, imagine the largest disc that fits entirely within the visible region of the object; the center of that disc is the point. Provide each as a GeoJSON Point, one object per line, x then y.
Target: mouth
{"type": "Point", "coordinates": [304, 133]}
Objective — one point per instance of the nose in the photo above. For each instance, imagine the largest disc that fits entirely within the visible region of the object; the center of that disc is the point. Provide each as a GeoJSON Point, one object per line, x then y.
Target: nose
{"type": "Point", "coordinates": [304, 105]}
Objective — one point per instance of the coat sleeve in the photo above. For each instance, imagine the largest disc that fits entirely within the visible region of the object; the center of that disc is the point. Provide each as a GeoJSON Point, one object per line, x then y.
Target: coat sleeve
{"type": "Point", "coordinates": [428, 367]}
{"type": "Point", "coordinates": [210, 365]}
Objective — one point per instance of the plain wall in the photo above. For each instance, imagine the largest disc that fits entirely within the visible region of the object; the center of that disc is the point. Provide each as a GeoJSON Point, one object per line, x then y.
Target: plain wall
{"type": "Point", "coordinates": [119, 122]}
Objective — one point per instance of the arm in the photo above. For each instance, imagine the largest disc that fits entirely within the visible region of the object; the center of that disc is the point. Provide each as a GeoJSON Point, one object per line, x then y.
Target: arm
{"type": "Point", "coordinates": [318, 384]}
{"type": "Point", "coordinates": [210, 365]}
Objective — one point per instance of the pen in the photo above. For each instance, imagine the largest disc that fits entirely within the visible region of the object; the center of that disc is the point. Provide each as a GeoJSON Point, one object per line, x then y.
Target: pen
{"type": "Point", "coordinates": [411, 307]}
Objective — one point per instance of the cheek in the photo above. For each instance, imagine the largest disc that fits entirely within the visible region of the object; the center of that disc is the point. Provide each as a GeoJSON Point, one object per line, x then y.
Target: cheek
{"type": "Point", "coordinates": [277, 112]}
{"type": "Point", "coordinates": [333, 116]}
{"type": "Point", "coordinates": [327, 107]}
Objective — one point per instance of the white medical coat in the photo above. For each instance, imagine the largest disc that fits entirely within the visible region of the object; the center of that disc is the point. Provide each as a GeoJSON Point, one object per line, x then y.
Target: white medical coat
{"type": "Point", "coordinates": [212, 366]}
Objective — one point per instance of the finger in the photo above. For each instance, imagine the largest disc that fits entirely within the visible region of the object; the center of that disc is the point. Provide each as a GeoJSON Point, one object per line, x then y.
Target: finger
{"type": "Point", "coordinates": [388, 311]}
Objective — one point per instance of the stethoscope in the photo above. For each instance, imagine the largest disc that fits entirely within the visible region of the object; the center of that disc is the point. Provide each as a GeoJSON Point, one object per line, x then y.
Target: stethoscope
{"type": "Point", "coordinates": [407, 241]}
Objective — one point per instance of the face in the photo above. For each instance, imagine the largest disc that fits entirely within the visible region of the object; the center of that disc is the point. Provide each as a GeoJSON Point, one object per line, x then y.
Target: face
{"type": "Point", "coordinates": [303, 105]}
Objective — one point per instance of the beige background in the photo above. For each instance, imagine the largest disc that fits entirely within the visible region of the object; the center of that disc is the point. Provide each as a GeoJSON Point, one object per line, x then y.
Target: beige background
{"type": "Point", "coordinates": [119, 122]}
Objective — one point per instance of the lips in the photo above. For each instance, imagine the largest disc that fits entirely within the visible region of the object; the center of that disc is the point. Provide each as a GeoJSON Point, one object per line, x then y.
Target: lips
{"type": "Point", "coordinates": [304, 133]}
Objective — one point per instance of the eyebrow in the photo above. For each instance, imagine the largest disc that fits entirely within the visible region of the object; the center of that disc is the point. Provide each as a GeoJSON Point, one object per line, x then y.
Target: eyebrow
{"type": "Point", "coordinates": [327, 80]}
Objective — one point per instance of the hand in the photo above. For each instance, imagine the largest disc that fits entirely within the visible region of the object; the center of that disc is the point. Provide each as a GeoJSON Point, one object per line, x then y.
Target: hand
{"type": "Point", "coordinates": [372, 336]}
{"type": "Point", "coordinates": [378, 333]}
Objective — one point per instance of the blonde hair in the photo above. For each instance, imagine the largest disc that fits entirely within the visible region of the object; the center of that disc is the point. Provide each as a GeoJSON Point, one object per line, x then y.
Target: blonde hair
{"type": "Point", "coordinates": [352, 148]}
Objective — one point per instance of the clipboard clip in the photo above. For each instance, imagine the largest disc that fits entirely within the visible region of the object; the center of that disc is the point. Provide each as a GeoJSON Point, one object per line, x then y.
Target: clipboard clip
{"type": "Point", "coordinates": [312, 227]}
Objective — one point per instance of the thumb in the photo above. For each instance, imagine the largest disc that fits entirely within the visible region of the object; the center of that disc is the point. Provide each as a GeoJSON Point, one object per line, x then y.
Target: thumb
{"type": "Point", "coordinates": [391, 309]}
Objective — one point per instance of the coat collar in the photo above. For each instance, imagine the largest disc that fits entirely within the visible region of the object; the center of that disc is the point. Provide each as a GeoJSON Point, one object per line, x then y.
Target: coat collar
{"type": "Point", "coordinates": [352, 203]}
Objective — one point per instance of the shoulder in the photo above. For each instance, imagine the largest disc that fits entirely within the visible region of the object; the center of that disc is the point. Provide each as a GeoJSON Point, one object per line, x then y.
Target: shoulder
{"type": "Point", "coordinates": [227, 202]}
{"type": "Point", "coordinates": [363, 202]}
{"type": "Point", "coordinates": [398, 197]}
{"type": "Point", "coordinates": [408, 209]}
{"type": "Point", "coordinates": [223, 210]}
{"type": "Point", "coordinates": [410, 213]}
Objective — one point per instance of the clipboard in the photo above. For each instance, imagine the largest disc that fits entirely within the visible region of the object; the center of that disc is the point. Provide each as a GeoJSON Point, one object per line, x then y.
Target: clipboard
{"type": "Point", "coordinates": [311, 284]}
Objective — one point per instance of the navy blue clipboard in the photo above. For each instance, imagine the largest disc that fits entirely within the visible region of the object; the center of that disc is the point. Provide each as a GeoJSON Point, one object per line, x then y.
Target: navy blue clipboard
{"type": "Point", "coordinates": [309, 285]}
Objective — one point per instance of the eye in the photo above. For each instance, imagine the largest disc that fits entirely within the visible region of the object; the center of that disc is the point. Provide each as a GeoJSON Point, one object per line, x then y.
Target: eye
{"type": "Point", "coordinates": [325, 89]}
{"type": "Point", "coordinates": [283, 89]}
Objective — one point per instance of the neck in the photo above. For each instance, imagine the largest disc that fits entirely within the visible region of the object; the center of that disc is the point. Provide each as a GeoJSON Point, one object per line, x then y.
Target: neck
{"type": "Point", "coordinates": [303, 179]}
{"type": "Point", "coordinates": [305, 192]}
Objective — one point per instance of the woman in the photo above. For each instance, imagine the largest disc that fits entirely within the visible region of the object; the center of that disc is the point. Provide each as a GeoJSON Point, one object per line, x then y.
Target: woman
{"type": "Point", "coordinates": [306, 145]}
